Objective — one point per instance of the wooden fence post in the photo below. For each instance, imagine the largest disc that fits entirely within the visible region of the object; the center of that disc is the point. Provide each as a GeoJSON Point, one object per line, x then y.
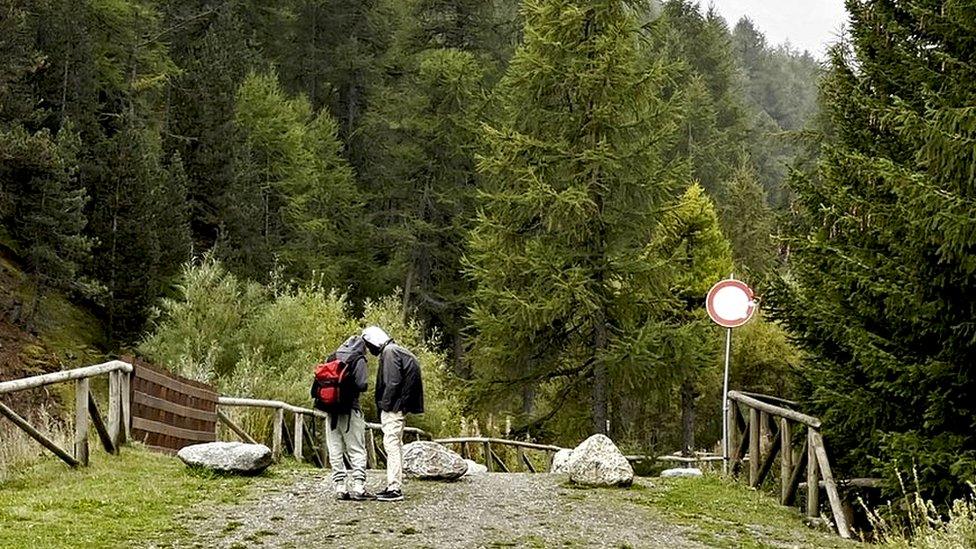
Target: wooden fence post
{"type": "Point", "coordinates": [836, 507]}
{"type": "Point", "coordinates": [813, 480]}
{"type": "Point", "coordinates": [279, 420]}
{"type": "Point", "coordinates": [730, 445]}
{"type": "Point", "coordinates": [81, 421]}
{"type": "Point", "coordinates": [126, 397]}
{"type": "Point", "coordinates": [753, 446]}
{"type": "Point", "coordinates": [370, 449]}
{"type": "Point", "coordinates": [785, 457]}
{"type": "Point", "coordinates": [488, 462]}
{"type": "Point", "coordinates": [299, 429]}
{"type": "Point", "coordinates": [115, 407]}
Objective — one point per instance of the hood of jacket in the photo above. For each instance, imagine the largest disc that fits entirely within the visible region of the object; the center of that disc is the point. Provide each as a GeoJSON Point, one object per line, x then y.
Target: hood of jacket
{"type": "Point", "coordinates": [352, 350]}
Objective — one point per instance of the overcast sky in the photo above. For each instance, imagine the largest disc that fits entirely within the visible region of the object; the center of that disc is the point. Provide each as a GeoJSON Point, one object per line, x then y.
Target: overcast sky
{"type": "Point", "coordinates": [807, 24]}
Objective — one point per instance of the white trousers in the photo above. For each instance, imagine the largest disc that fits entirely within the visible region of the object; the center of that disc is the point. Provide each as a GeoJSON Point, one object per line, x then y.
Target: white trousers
{"type": "Point", "coordinates": [392, 423]}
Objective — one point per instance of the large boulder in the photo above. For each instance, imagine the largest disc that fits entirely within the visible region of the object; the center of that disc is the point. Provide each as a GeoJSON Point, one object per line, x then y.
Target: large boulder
{"type": "Point", "coordinates": [474, 468]}
{"type": "Point", "coordinates": [560, 461]}
{"type": "Point", "coordinates": [227, 457]}
{"type": "Point", "coordinates": [431, 461]}
{"type": "Point", "coordinates": [598, 462]}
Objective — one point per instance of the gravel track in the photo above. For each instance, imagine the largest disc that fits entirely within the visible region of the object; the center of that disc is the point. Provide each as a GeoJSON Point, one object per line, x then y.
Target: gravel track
{"type": "Point", "coordinates": [489, 510]}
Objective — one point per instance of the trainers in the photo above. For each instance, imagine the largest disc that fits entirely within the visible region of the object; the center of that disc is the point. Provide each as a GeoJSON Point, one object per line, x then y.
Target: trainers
{"type": "Point", "coordinates": [389, 495]}
{"type": "Point", "coordinates": [361, 496]}
{"type": "Point", "coordinates": [342, 496]}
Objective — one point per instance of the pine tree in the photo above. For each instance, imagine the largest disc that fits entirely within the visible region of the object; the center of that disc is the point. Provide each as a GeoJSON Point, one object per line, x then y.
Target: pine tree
{"type": "Point", "coordinates": [882, 259]}
{"type": "Point", "coordinates": [47, 206]}
{"type": "Point", "coordinates": [576, 177]}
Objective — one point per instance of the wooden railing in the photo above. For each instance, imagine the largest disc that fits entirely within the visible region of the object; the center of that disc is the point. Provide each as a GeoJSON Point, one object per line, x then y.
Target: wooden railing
{"type": "Point", "coordinates": [311, 432]}
{"type": "Point", "coordinates": [112, 435]}
{"type": "Point", "coordinates": [495, 463]}
{"type": "Point", "coordinates": [762, 417]}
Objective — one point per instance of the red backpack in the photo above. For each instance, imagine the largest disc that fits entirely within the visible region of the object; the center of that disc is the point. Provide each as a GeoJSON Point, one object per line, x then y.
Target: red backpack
{"type": "Point", "coordinates": [329, 378]}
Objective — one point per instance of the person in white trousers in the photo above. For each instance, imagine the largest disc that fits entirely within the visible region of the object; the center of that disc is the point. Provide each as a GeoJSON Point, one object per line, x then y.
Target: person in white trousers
{"type": "Point", "coordinates": [399, 391]}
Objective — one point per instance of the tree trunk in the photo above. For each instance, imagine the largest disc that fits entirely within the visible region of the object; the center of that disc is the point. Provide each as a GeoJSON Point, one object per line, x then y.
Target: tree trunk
{"type": "Point", "coordinates": [599, 388]}
{"type": "Point", "coordinates": [688, 396]}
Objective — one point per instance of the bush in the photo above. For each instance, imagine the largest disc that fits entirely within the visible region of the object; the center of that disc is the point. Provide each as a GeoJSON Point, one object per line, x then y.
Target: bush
{"type": "Point", "coordinates": [262, 342]}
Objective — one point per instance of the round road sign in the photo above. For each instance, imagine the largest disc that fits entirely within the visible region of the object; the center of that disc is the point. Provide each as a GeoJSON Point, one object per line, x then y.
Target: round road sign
{"type": "Point", "coordinates": [730, 303]}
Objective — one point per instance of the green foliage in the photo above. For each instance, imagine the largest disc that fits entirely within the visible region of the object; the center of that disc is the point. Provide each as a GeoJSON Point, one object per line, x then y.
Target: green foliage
{"type": "Point", "coordinates": [882, 249]}
{"type": "Point", "coordinates": [749, 223]}
{"type": "Point", "coordinates": [263, 342]}
{"type": "Point", "coordinates": [45, 213]}
{"type": "Point", "coordinates": [293, 196]}
{"type": "Point", "coordinates": [576, 176]}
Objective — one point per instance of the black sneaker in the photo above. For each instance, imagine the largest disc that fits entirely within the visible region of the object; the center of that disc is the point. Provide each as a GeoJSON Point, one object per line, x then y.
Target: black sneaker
{"type": "Point", "coordinates": [361, 496]}
{"type": "Point", "coordinates": [390, 495]}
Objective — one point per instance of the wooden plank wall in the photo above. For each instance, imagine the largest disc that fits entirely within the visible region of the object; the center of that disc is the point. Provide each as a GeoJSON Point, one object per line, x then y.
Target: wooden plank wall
{"type": "Point", "coordinates": [169, 411]}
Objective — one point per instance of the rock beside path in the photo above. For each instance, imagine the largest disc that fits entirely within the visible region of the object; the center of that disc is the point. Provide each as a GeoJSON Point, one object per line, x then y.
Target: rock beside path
{"type": "Point", "coordinates": [681, 472]}
{"type": "Point", "coordinates": [431, 461]}
{"type": "Point", "coordinates": [227, 457]}
{"type": "Point", "coordinates": [560, 461]}
{"type": "Point", "coordinates": [474, 468]}
{"type": "Point", "coordinates": [598, 462]}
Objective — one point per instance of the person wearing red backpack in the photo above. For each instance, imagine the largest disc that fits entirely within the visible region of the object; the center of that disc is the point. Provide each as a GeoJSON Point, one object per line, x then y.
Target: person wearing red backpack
{"type": "Point", "coordinates": [399, 391]}
{"type": "Point", "coordinates": [335, 390]}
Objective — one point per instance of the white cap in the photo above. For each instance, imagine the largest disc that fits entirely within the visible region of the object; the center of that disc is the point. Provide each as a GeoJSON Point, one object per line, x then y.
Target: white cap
{"type": "Point", "coordinates": [375, 336]}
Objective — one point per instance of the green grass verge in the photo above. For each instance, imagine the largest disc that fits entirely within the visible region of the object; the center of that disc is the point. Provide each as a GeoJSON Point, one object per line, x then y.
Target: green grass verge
{"type": "Point", "coordinates": [725, 514]}
{"type": "Point", "coordinates": [134, 499]}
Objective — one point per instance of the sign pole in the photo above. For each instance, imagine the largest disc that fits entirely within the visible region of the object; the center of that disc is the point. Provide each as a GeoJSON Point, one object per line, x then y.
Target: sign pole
{"type": "Point", "coordinates": [725, 403]}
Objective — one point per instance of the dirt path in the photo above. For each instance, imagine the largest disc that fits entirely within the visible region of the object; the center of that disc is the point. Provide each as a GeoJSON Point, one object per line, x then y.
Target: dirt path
{"type": "Point", "coordinates": [490, 510]}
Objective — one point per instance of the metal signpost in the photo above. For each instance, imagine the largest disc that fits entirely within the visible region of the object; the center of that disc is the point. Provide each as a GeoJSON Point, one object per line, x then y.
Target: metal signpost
{"type": "Point", "coordinates": [730, 304]}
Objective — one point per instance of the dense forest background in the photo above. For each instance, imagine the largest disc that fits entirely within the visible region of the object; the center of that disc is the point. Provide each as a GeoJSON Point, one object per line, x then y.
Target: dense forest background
{"type": "Point", "coordinates": [536, 195]}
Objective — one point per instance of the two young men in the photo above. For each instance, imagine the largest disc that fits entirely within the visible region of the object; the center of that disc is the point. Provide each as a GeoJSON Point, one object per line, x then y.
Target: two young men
{"type": "Point", "coordinates": [399, 391]}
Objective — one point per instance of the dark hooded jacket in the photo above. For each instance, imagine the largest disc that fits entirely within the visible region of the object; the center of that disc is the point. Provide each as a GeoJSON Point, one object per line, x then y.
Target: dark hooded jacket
{"type": "Point", "coordinates": [353, 354]}
{"type": "Point", "coordinates": [399, 387]}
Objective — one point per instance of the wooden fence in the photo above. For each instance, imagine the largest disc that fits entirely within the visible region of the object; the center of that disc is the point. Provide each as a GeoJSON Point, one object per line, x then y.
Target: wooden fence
{"type": "Point", "coordinates": [111, 434]}
{"type": "Point", "coordinates": [751, 419]}
{"type": "Point", "coordinates": [170, 411]}
{"type": "Point", "coordinates": [495, 463]}
{"type": "Point", "coordinates": [307, 430]}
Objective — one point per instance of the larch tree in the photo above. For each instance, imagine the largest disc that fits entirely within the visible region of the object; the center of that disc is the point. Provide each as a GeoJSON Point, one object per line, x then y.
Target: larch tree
{"type": "Point", "coordinates": [576, 176]}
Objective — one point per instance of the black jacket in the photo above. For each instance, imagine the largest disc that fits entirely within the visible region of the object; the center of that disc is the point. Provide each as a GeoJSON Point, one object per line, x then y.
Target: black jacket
{"type": "Point", "coordinates": [353, 354]}
{"type": "Point", "coordinates": [399, 387]}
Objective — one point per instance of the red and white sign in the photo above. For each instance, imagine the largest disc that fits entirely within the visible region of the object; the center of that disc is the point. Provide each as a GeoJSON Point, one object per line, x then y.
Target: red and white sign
{"type": "Point", "coordinates": [730, 303]}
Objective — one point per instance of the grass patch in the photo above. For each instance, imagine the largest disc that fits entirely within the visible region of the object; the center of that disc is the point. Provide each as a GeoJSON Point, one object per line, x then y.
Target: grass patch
{"type": "Point", "coordinates": [724, 514]}
{"type": "Point", "coordinates": [131, 499]}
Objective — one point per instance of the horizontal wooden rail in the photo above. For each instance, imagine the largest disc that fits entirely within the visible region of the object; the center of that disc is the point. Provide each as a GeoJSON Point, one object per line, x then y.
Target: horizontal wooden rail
{"type": "Point", "coordinates": [774, 410]}
{"type": "Point", "coordinates": [66, 375]}
{"type": "Point", "coordinates": [279, 405]}
{"type": "Point", "coordinates": [502, 441]}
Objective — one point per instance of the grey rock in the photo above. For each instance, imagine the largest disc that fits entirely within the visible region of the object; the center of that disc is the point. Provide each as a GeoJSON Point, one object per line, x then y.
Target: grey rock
{"type": "Point", "coordinates": [475, 468]}
{"type": "Point", "coordinates": [598, 462]}
{"type": "Point", "coordinates": [227, 457]}
{"type": "Point", "coordinates": [560, 461]}
{"type": "Point", "coordinates": [681, 472]}
{"type": "Point", "coordinates": [431, 461]}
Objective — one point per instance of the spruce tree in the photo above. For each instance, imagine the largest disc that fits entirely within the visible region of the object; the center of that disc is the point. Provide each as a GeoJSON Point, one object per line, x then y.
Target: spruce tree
{"type": "Point", "coordinates": [882, 258]}
{"type": "Point", "coordinates": [576, 175]}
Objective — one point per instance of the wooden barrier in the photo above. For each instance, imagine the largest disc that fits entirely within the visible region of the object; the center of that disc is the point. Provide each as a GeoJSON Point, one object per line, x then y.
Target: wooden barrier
{"type": "Point", "coordinates": [293, 441]}
{"type": "Point", "coordinates": [111, 435]}
{"type": "Point", "coordinates": [766, 417]}
{"type": "Point", "coordinates": [170, 411]}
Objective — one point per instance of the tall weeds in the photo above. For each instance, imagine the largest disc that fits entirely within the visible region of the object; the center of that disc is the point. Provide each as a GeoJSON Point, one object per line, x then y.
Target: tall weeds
{"type": "Point", "coordinates": [915, 523]}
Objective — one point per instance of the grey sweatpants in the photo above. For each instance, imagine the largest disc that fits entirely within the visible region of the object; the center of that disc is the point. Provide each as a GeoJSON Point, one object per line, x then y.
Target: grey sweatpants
{"type": "Point", "coordinates": [348, 440]}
